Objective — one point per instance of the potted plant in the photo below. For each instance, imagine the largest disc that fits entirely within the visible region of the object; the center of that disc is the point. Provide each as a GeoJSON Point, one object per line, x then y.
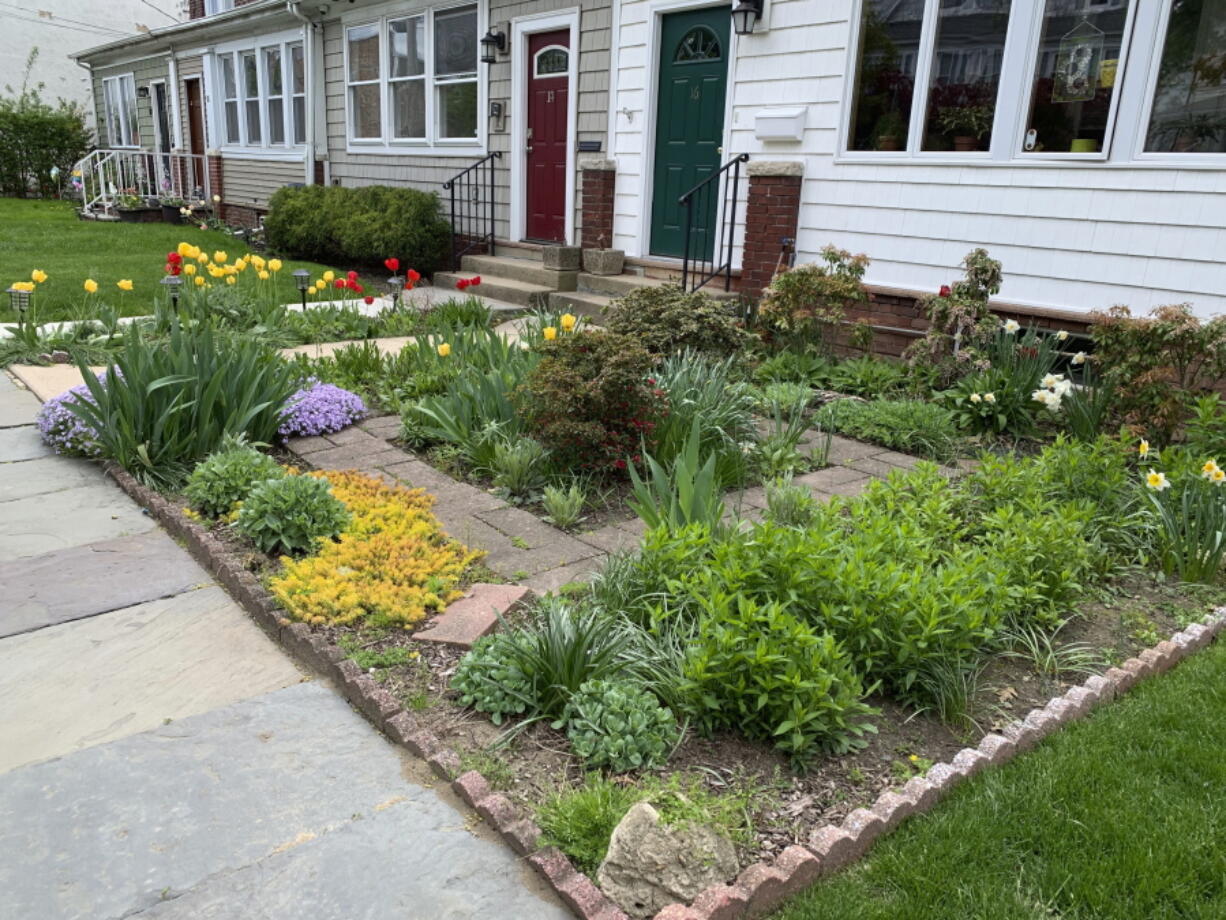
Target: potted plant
{"type": "Point", "coordinates": [890, 130]}
{"type": "Point", "coordinates": [135, 209]}
{"type": "Point", "coordinates": [603, 261]}
{"type": "Point", "coordinates": [172, 208]}
{"type": "Point", "coordinates": [966, 124]}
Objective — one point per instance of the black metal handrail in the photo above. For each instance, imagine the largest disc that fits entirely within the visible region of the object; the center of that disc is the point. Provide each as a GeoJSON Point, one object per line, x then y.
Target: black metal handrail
{"type": "Point", "coordinates": [472, 209]}
{"type": "Point", "coordinates": [710, 226]}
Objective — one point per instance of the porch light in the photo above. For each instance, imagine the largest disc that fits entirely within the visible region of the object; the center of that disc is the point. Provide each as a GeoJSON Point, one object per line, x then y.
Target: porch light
{"type": "Point", "coordinates": [19, 300]}
{"type": "Point", "coordinates": [745, 16]}
{"type": "Point", "coordinates": [492, 43]}
{"type": "Point", "coordinates": [301, 276]}
{"type": "Point", "coordinates": [395, 285]}
{"type": "Point", "coordinates": [172, 283]}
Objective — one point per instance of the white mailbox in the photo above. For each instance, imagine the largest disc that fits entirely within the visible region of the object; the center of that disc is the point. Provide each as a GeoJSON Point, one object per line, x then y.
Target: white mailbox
{"type": "Point", "coordinates": [780, 124]}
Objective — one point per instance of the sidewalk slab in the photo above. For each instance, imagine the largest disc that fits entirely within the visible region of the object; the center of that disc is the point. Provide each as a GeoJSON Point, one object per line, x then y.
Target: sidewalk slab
{"type": "Point", "coordinates": [52, 380]}
{"type": "Point", "coordinates": [24, 443]}
{"type": "Point", "coordinates": [286, 805]}
{"type": "Point", "coordinates": [83, 683]}
{"type": "Point", "coordinates": [17, 407]}
{"type": "Point", "coordinates": [83, 581]}
{"type": "Point", "coordinates": [72, 517]}
{"type": "Point", "coordinates": [46, 474]}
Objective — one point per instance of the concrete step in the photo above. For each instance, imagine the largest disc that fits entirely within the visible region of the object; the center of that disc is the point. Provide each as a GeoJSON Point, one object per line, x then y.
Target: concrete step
{"type": "Point", "coordinates": [528, 270]}
{"type": "Point", "coordinates": [506, 289]}
{"type": "Point", "coordinates": [620, 285]}
{"type": "Point", "coordinates": [583, 303]}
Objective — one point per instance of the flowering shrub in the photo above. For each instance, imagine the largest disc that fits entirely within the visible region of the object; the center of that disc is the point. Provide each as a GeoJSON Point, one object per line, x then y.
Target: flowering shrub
{"type": "Point", "coordinates": [392, 565]}
{"type": "Point", "coordinates": [810, 301]}
{"type": "Point", "coordinates": [666, 319]}
{"type": "Point", "coordinates": [590, 400]}
{"type": "Point", "coordinates": [961, 327]}
{"type": "Point", "coordinates": [64, 430]}
{"type": "Point", "coordinates": [319, 408]}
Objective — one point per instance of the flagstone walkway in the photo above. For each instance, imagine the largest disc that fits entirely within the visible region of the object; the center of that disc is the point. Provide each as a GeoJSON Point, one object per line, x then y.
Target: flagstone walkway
{"type": "Point", "coordinates": [161, 757]}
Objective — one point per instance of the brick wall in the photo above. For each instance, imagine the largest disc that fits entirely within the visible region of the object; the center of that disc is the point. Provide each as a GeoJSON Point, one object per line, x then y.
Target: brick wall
{"type": "Point", "coordinates": [771, 213]}
{"type": "Point", "coordinates": [195, 9]}
{"type": "Point", "coordinates": [596, 206]}
{"type": "Point", "coordinates": [241, 215]}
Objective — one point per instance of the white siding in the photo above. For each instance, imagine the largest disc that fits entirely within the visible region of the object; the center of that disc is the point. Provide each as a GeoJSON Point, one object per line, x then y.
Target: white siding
{"type": "Point", "coordinates": [1070, 237]}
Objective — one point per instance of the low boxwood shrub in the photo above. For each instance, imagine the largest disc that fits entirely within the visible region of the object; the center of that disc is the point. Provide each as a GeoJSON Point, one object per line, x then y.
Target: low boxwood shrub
{"type": "Point", "coordinates": [619, 725]}
{"type": "Point", "coordinates": [227, 477]}
{"type": "Point", "coordinates": [359, 225]}
{"type": "Point", "coordinates": [291, 515]}
{"type": "Point", "coordinates": [666, 319]}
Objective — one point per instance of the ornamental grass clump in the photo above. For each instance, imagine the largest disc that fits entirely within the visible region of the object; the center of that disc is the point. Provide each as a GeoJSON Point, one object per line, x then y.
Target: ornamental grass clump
{"type": "Point", "coordinates": [392, 565]}
{"type": "Point", "coordinates": [320, 408]}
{"type": "Point", "coordinates": [65, 431]}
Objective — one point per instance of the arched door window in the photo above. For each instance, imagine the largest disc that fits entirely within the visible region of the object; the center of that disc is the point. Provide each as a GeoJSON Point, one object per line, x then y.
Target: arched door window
{"type": "Point", "coordinates": [552, 61]}
{"type": "Point", "coordinates": [698, 44]}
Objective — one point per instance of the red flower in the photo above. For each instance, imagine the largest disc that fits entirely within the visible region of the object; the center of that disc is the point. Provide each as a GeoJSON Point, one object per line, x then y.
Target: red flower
{"type": "Point", "coordinates": [368, 300]}
{"type": "Point", "coordinates": [462, 283]}
{"type": "Point", "coordinates": [414, 275]}
{"type": "Point", "coordinates": [620, 464]}
{"type": "Point", "coordinates": [352, 276]}
{"type": "Point", "coordinates": [173, 269]}
{"type": "Point", "coordinates": [340, 284]}
{"type": "Point", "coordinates": [174, 258]}
{"type": "Point", "coordinates": [945, 290]}
{"type": "Point", "coordinates": [476, 279]}
{"type": "Point", "coordinates": [393, 265]}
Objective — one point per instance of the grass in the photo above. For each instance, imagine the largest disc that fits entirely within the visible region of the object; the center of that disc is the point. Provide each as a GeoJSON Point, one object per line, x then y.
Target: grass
{"type": "Point", "coordinates": [1119, 816]}
{"type": "Point", "coordinates": [911, 426]}
{"type": "Point", "coordinates": [47, 235]}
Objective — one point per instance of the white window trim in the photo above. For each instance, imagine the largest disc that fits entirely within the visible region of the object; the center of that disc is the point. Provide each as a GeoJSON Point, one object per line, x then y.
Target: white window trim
{"type": "Point", "coordinates": [283, 41]}
{"type": "Point", "coordinates": [118, 80]}
{"type": "Point", "coordinates": [267, 98]}
{"type": "Point", "coordinates": [423, 78]}
{"type": "Point", "coordinates": [433, 144]}
{"type": "Point", "coordinates": [536, 58]}
{"type": "Point", "coordinates": [214, 7]}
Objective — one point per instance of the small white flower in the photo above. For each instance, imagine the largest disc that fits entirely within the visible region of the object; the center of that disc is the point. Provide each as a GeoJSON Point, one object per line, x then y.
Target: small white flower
{"type": "Point", "coordinates": [1062, 335]}
{"type": "Point", "coordinates": [1157, 481]}
{"type": "Point", "coordinates": [1011, 326]}
{"type": "Point", "coordinates": [989, 397]}
{"type": "Point", "coordinates": [1079, 358]}
{"type": "Point", "coordinates": [1062, 387]}
{"type": "Point", "coordinates": [1041, 396]}
{"type": "Point", "coordinates": [975, 397]}
{"type": "Point", "coordinates": [1051, 380]}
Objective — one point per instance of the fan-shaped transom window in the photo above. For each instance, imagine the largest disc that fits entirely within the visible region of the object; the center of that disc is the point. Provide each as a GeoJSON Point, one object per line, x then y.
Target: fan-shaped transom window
{"type": "Point", "coordinates": [698, 44]}
{"type": "Point", "coordinates": [552, 61]}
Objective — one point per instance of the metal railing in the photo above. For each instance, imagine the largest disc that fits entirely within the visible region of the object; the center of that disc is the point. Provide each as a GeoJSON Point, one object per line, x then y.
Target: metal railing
{"type": "Point", "coordinates": [710, 215]}
{"type": "Point", "coordinates": [108, 174]}
{"type": "Point", "coordinates": [472, 209]}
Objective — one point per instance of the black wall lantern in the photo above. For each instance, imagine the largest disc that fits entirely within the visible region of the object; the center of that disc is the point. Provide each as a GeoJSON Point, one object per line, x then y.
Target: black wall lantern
{"type": "Point", "coordinates": [492, 43]}
{"type": "Point", "coordinates": [745, 16]}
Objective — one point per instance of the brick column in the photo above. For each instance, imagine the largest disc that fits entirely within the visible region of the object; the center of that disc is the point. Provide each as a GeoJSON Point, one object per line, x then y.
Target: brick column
{"type": "Point", "coordinates": [599, 177]}
{"type": "Point", "coordinates": [771, 215]}
{"type": "Point", "coordinates": [216, 187]}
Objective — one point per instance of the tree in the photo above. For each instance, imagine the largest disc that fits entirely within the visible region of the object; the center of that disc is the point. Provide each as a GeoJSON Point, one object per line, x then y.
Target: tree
{"type": "Point", "coordinates": [36, 136]}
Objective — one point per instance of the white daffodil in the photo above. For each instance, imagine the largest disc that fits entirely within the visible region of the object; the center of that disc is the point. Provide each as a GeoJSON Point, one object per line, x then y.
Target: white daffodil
{"type": "Point", "coordinates": [1051, 380]}
{"type": "Point", "coordinates": [1062, 335]}
{"type": "Point", "coordinates": [989, 397]}
{"type": "Point", "coordinates": [975, 398]}
{"type": "Point", "coordinates": [1079, 358]}
{"type": "Point", "coordinates": [1011, 326]}
{"type": "Point", "coordinates": [1157, 481]}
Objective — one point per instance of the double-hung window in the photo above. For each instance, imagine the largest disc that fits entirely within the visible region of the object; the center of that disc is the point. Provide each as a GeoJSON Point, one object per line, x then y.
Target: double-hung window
{"type": "Point", "coordinates": [213, 7]}
{"type": "Point", "coordinates": [262, 93]}
{"type": "Point", "coordinates": [413, 79]}
{"type": "Point", "coordinates": [119, 101]}
{"type": "Point", "coordinates": [1188, 107]}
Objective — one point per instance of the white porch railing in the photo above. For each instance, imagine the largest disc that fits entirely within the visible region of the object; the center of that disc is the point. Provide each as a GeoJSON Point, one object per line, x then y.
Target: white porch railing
{"type": "Point", "coordinates": [108, 174]}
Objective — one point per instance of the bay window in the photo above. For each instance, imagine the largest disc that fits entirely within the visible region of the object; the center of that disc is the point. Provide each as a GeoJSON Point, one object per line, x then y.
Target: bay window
{"type": "Point", "coordinates": [119, 101]}
{"type": "Point", "coordinates": [413, 79]}
{"type": "Point", "coordinates": [1188, 113]}
{"type": "Point", "coordinates": [262, 93]}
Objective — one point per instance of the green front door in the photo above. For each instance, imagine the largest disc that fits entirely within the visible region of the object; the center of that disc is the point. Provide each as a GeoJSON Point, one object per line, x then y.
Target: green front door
{"type": "Point", "coordinates": [689, 127]}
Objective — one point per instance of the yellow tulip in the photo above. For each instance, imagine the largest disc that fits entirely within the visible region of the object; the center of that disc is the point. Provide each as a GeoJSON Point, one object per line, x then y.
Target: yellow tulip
{"type": "Point", "coordinates": [184, 249]}
{"type": "Point", "coordinates": [26, 286]}
{"type": "Point", "coordinates": [39, 275]}
{"type": "Point", "coordinates": [221, 256]}
{"type": "Point", "coordinates": [202, 257]}
{"type": "Point", "coordinates": [312, 290]}
{"type": "Point", "coordinates": [550, 333]}
{"type": "Point", "coordinates": [274, 265]}
{"type": "Point", "coordinates": [568, 322]}
{"type": "Point", "coordinates": [189, 269]}
{"type": "Point", "coordinates": [241, 265]}
{"type": "Point", "coordinates": [444, 350]}
{"type": "Point", "coordinates": [329, 276]}
{"type": "Point", "coordinates": [124, 285]}
{"type": "Point", "coordinates": [91, 286]}
{"type": "Point", "coordinates": [264, 276]}
{"type": "Point", "coordinates": [230, 279]}
{"type": "Point", "coordinates": [199, 281]}
{"type": "Point", "coordinates": [319, 283]}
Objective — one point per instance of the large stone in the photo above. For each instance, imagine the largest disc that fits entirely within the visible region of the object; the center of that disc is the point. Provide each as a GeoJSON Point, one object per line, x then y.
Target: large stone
{"type": "Point", "coordinates": [474, 616]}
{"type": "Point", "coordinates": [650, 866]}
{"type": "Point", "coordinates": [45, 474]}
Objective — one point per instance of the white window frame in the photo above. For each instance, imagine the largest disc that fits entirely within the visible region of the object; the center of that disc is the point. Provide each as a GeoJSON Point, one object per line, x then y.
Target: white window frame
{"type": "Point", "coordinates": [244, 147]}
{"type": "Point", "coordinates": [267, 97]}
{"type": "Point", "coordinates": [423, 78]}
{"type": "Point", "coordinates": [213, 7]}
{"type": "Point", "coordinates": [291, 139]}
{"type": "Point", "coordinates": [119, 81]}
{"type": "Point", "coordinates": [433, 142]}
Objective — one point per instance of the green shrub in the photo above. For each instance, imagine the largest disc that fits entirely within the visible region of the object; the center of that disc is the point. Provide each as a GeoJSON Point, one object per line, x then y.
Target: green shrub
{"type": "Point", "coordinates": [808, 302]}
{"type": "Point", "coordinates": [360, 226]}
{"type": "Point", "coordinates": [165, 406]}
{"type": "Point", "coordinates": [36, 136]}
{"type": "Point", "coordinates": [226, 477]}
{"type": "Point", "coordinates": [869, 377]}
{"type": "Point", "coordinates": [291, 515]}
{"type": "Point", "coordinates": [619, 725]}
{"type": "Point", "coordinates": [589, 400]}
{"type": "Point", "coordinates": [491, 677]}
{"type": "Point", "coordinates": [665, 319]}
{"type": "Point", "coordinates": [910, 426]}
{"type": "Point", "coordinates": [758, 669]}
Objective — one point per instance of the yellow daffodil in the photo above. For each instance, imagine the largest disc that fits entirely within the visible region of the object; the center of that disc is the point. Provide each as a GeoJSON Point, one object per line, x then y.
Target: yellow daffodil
{"type": "Point", "coordinates": [124, 285]}
{"type": "Point", "coordinates": [221, 256]}
{"type": "Point", "coordinates": [189, 269]}
{"type": "Point", "coordinates": [184, 249]}
{"type": "Point", "coordinates": [329, 276]}
{"type": "Point", "coordinates": [263, 275]}
{"type": "Point", "coordinates": [1157, 481]}
{"type": "Point", "coordinates": [91, 286]}
{"type": "Point", "coordinates": [230, 279]}
{"type": "Point", "coordinates": [444, 350]}
{"type": "Point", "coordinates": [274, 265]}
{"type": "Point", "coordinates": [550, 333]}
{"type": "Point", "coordinates": [568, 322]}
{"type": "Point", "coordinates": [1209, 469]}
{"type": "Point", "coordinates": [1218, 477]}
{"type": "Point", "coordinates": [199, 281]}
{"type": "Point", "coordinates": [38, 275]}
{"type": "Point", "coordinates": [1143, 448]}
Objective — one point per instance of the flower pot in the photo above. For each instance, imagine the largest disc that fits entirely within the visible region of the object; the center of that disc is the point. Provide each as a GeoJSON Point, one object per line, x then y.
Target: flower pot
{"type": "Point", "coordinates": [964, 143]}
{"type": "Point", "coordinates": [603, 261]}
{"type": "Point", "coordinates": [171, 215]}
{"type": "Point", "coordinates": [140, 215]}
{"type": "Point", "coordinates": [888, 142]}
{"type": "Point", "coordinates": [561, 258]}
{"type": "Point", "coordinates": [1084, 145]}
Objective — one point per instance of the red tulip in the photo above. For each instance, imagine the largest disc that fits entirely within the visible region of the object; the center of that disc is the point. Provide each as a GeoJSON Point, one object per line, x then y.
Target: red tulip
{"type": "Point", "coordinates": [356, 288]}
{"type": "Point", "coordinates": [461, 284]}
{"type": "Point", "coordinates": [476, 279]}
{"type": "Point", "coordinates": [945, 290]}
{"type": "Point", "coordinates": [393, 265]}
{"type": "Point", "coordinates": [340, 284]}
{"type": "Point", "coordinates": [414, 275]}
{"type": "Point", "coordinates": [368, 300]}
{"type": "Point", "coordinates": [174, 258]}
{"type": "Point", "coordinates": [352, 276]}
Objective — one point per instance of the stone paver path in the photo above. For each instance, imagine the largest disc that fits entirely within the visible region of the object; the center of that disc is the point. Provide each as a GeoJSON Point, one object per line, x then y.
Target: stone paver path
{"type": "Point", "coordinates": [161, 757]}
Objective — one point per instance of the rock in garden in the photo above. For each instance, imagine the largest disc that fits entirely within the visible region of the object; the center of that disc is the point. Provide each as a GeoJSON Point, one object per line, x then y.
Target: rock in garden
{"type": "Point", "coordinates": [60, 357]}
{"type": "Point", "coordinates": [650, 866]}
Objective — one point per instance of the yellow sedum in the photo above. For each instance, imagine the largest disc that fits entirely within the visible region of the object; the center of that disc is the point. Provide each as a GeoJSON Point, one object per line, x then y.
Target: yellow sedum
{"type": "Point", "coordinates": [393, 564]}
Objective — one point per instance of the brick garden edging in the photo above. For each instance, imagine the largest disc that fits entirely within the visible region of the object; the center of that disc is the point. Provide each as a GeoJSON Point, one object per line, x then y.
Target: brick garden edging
{"type": "Point", "coordinates": [759, 888]}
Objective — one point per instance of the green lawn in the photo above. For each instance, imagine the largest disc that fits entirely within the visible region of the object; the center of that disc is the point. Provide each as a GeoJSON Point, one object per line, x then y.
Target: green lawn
{"type": "Point", "coordinates": [48, 235]}
{"type": "Point", "coordinates": [1121, 816]}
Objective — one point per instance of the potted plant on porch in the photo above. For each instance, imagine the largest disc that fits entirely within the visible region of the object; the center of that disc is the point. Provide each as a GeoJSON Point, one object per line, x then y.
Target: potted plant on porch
{"type": "Point", "coordinates": [966, 124]}
{"type": "Point", "coordinates": [603, 261]}
{"type": "Point", "coordinates": [136, 209]}
{"type": "Point", "coordinates": [172, 208]}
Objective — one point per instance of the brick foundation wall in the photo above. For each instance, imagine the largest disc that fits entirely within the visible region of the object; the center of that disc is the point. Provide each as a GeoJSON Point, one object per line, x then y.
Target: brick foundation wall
{"type": "Point", "coordinates": [598, 181]}
{"type": "Point", "coordinates": [771, 213]}
{"type": "Point", "coordinates": [241, 216]}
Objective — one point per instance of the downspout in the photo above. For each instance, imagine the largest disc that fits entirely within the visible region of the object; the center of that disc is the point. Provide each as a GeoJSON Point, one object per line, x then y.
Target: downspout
{"type": "Point", "coordinates": [308, 76]}
{"type": "Point", "coordinates": [176, 132]}
{"type": "Point", "coordinates": [89, 69]}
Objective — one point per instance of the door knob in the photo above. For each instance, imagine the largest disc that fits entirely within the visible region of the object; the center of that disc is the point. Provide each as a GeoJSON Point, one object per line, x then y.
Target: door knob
{"type": "Point", "coordinates": [528, 149]}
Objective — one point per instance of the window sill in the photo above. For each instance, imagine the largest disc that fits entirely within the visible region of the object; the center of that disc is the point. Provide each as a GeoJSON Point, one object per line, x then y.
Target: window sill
{"type": "Point", "coordinates": [282, 154]}
{"type": "Point", "coordinates": [417, 148]}
{"type": "Point", "coordinates": [1038, 161]}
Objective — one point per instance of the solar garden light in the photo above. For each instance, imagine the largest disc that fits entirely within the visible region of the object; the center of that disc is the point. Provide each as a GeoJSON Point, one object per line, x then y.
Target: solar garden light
{"type": "Point", "coordinates": [300, 278]}
{"type": "Point", "coordinates": [172, 282]}
{"type": "Point", "coordinates": [395, 284]}
{"type": "Point", "coordinates": [19, 300]}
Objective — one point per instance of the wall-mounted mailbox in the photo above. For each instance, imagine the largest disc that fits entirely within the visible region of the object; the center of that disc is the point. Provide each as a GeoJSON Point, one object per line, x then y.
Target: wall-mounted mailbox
{"type": "Point", "coordinates": [780, 124]}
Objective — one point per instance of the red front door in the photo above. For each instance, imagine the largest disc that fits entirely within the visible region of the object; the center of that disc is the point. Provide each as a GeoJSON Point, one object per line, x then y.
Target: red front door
{"type": "Point", "coordinates": [546, 141]}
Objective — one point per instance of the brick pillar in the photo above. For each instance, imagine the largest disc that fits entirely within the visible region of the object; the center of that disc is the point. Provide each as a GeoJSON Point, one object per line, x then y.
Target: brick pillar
{"type": "Point", "coordinates": [596, 203]}
{"type": "Point", "coordinates": [771, 215]}
{"type": "Point", "coordinates": [216, 186]}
